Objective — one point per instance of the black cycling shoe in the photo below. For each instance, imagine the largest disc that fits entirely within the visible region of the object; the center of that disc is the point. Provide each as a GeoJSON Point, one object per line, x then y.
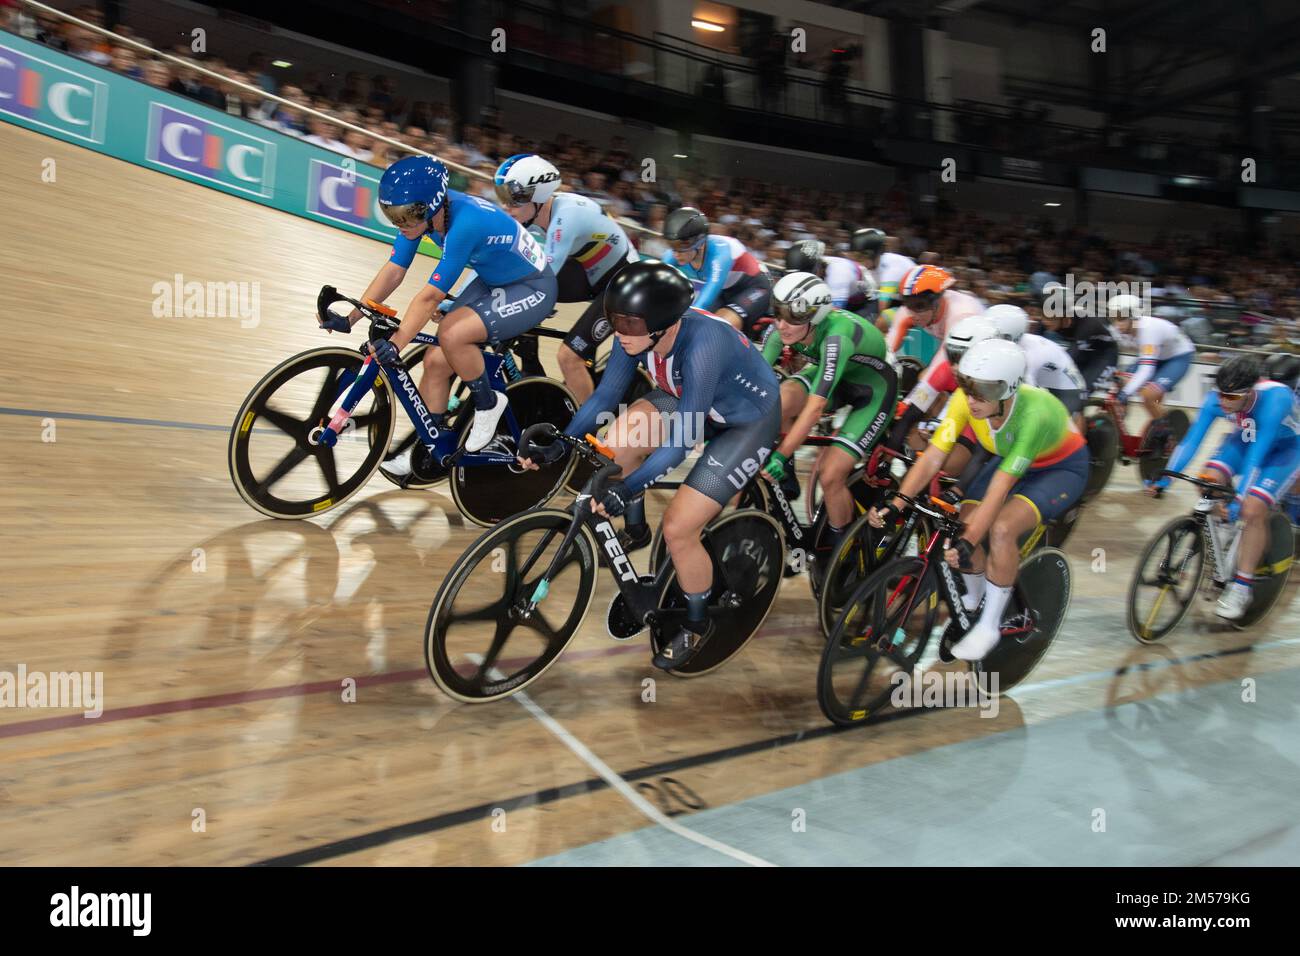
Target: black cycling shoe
{"type": "Point", "coordinates": [683, 645]}
{"type": "Point", "coordinates": [635, 538]}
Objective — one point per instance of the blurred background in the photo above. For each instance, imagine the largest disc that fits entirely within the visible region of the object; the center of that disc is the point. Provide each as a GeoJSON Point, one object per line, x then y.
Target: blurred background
{"type": "Point", "coordinates": [1108, 140]}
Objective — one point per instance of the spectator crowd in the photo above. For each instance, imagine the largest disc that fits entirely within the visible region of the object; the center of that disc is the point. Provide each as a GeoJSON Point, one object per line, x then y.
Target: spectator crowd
{"type": "Point", "coordinates": [1219, 292]}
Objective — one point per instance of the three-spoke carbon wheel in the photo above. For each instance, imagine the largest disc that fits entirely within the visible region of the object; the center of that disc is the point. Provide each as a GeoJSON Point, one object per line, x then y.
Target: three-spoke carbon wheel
{"type": "Point", "coordinates": [1166, 580]}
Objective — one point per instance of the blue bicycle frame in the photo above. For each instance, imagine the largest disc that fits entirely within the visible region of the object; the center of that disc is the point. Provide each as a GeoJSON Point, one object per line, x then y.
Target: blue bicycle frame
{"type": "Point", "coordinates": [440, 442]}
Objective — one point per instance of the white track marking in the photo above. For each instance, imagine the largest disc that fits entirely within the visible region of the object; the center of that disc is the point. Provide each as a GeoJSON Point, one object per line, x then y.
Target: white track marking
{"type": "Point", "coordinates": [618, 783]}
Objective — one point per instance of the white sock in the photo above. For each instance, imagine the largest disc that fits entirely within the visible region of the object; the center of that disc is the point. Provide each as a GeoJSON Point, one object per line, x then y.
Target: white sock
{"type": "Point", "coordinates": [974, 590]}
{"type": "Point", "coordinates": [995, 602]}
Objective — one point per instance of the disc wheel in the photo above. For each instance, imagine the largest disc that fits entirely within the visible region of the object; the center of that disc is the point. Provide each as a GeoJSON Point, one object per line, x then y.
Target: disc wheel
{"type": "Point", "coordinates": [274, 466]}
{"type": "Point", "coordinates": [747, 568]}
{"type": "Point", "coordinates": [1028, 631]}
{"type": "Point", "coordinates": [485, 494]}
{"type": "Point", "coordinates": [1103, 451]}
{"type": "Point", "coordinates": [1273, 571]}
{"type": "Point", "coordinates": [1151, 464]}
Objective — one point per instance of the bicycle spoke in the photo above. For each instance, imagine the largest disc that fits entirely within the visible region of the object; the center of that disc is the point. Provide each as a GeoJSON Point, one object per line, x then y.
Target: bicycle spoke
{"type": "Point", "coordinates": [368, 419]}
{"type": "Point", "coordinates": [329, 393]}
{"type": "Point", "coordinates": [502, 633]}
{"type": "Point", "coordinates": [328, 468]}
{"type": "Point", "coordinates": [286, 465]}
{"type": "Point", "coordinates": [293, 427]}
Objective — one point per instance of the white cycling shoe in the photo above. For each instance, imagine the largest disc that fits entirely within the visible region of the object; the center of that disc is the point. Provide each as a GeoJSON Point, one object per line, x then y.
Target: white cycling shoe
{"type": "Point", "coordinates": [1234, 601]}
{"type": "Point", "coordinates": [484, 427]}
{"type": "Point", "coordinates": [977, 643]}
{"type": "Point", "coordinates": [399, 466]}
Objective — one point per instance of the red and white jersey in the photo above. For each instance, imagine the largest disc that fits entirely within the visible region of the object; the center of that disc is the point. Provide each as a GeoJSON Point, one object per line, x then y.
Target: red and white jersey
{"type": "Point", "coordinates": [953, 307]}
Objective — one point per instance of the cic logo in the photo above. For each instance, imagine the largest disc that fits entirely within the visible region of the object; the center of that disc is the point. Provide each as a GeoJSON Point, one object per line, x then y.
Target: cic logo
{"type": "Point", "coordinates": [39, 93]}
{"type": "Point", "coordinates": [199, 147]}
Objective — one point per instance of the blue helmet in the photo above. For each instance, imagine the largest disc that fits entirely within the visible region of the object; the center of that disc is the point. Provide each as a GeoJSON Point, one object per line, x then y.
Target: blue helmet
{"type": "Point", "coordinates": [412, 190]}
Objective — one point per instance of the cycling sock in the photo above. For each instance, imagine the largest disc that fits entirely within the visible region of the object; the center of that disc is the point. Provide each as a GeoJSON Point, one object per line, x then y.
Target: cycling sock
{"type": "Point", "coordinates": [995, 602]}
{"type": "Point", "coordinates": [634, 514]}
{"type": "Point", "coordinates": [975, 584]}
{"type": "Point", "coordinates": [697, 607]}
{"type": "Point", "coordinates": [1244, 579]}
{"type": "Point", "coordinates": [484, 394]}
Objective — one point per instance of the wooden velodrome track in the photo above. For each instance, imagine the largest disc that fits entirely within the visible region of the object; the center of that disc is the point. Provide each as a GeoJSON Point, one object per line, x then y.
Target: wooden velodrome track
{"type": "Point", "coordinates": [223, 668]}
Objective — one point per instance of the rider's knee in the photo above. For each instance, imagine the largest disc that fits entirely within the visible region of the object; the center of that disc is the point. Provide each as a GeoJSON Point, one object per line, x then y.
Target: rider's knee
{"type": "Point", "coordinates": [1254, 510]}
{"type": "Point", "coordinates": [1003, 535]}
{"type": "Point", "coordinates": [570, 361]}
{"type": "Point", "coordinates": [679, 529]}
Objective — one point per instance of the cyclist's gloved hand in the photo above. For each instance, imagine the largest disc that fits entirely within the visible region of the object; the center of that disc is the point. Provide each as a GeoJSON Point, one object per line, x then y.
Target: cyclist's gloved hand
{"type": "Point", "coordinates": [889, 513]}
{"type": "Point", "coordinates": [614, 498]}
{"type": "Point", "coordinates": [964, 551]}
{"type": "Point", "coordinates": [336, 323]}
{"type": "Point", "coordinates": [775, 467]}
{"type": "Point", "coordinates": [385, 352]}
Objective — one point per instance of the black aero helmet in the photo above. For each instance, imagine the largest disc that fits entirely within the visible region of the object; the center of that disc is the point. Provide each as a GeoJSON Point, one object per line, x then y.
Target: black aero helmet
{"type": "Point", "coordinates": [806, 256]}
{"type": "Point", "coordinates": [869, 241]}
{"type": "Point", "coordinates": [685, 223]}
{"type": "Point", "coordinates": [646, 298]}
{"type": "Point", "coordinates": [1283, 367]}
{"type": "Point", "coordinates": [1239, 374]}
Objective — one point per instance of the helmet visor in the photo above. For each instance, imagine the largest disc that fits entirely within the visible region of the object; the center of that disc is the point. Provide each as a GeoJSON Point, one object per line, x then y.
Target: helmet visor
{"type": "Point", "coordinates": [631, 325]}
{"type": "Point", "coordinates": [785, 314]}
{"type": "Point", "coordinates": [984, 391]}
{"type": "Point", "coordinates": [407, 215]}
{"type": "Point", "coordinates": [921, 302]}
{"type": "Point", "coordinates": [513, 194]}
{"type": "Point", "coordinates": [685, 247]}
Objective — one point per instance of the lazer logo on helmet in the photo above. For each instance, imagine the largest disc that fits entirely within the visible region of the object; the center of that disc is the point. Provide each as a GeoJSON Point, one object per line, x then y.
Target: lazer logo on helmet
{"type": "Point", "coordinates": [614, 551]}
{"type": "Point", "coordinates": [543, 178]}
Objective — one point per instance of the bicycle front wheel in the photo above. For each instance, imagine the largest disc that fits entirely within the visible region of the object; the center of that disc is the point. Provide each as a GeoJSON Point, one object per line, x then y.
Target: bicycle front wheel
{"type": "Point", "coordinates": [273, 464]}
{"type": "Point", "coordinates": [1166, 580]}
{"type": "Point", "coordinates": [881, 633]}
{"type": "Point", "coordinates": [479, 646]}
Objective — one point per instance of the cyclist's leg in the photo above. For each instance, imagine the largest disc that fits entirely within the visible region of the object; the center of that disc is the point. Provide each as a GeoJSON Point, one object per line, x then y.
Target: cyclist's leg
{"type": "Point", "coordinates": [579, 346]}
{"type": "Point", "coordinates": [866, 426]}
{"type": "Point", "coordinates": [746, 303]}
{"type": "Point", "coordinates": [1168, 374]}
{"type": "Point", "coordinates": [1278, 472]}
{"type": "Point", "coordinates": [491, 315]}
{"type": "Point", "coordinates": [739, 450]}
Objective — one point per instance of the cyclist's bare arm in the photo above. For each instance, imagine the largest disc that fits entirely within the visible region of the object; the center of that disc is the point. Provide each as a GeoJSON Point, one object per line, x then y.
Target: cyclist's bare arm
{"type": "Point", "coordinates": [803, 425]}
{"type": "Point", "coordinates": [386, 280]}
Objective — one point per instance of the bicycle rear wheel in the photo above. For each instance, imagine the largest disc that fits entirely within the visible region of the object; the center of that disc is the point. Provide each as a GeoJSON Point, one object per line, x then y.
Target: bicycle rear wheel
{"type": "Point", "coordinates": [1151, 464]}
{"type": "Point", "coordinates": [897, 607]}
{"type": "Point", "coordinates": [274, 467]}
{"type": "Point", "coordinates": [1027, 630]}
{"type": "Point", "coordinates": [1103, 451]}
{"type": "Point", "coordinates": [477, 616]}
{"type": "Point", "coordinates": [1166, 578]}
{"type": "Point", "coordinates": [865, 496]}
{"type": "Point", "coordinates": [485, 494]}
{"type": "Point", "coordinates": [1273, 571]}
{"type": "Point", "coordinates": [747, 568]}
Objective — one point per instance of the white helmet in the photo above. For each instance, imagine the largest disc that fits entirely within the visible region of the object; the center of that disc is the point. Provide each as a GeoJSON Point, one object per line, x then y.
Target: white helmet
{"type": "Point", "coordinates": [1124, 307]}
{"type": "Point", "coordinates": [800, 298]}
{"type": "Point", "coordinates": [993, 369]}
{"type": "Point", "coordinates": [968, 332]}
{"type": "Point", "coordinates": [525, 177]}
{"type": "Point", "coordinates": [1011, 320]}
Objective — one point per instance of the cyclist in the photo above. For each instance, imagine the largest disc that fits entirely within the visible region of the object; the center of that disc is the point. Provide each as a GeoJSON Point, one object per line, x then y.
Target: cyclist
{"type": "Point", "coordinates": [1089, 339]}
{"type": "Point", "coordinates": [512, 292]}
{"type": "Point", "coordinates": [930, 302]}
{"type": "Point", "coordinates": [712, 386]}
{"type": "Point", "coordinates": [584, 247]}
{"type": "Point", "coordinates": [1050, 365]}
{"type": "Point", "coordinates": [867, 248]}
{"type": "Point", "coordinates": [851, 286]}
{"type": "Point", "coordinates": [736, 286]}
{"type": "Point", "coordinates": [1038, 473]}
{"type": "Point", "coordinates": [1164, 353]}
{"type": "Point", "coordinates": [1263, 450]}
{"type": "Point", "coordinates": [847, 367]}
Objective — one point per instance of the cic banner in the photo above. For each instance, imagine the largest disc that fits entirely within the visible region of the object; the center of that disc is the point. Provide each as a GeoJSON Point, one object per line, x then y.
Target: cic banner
{"type": "Point", "coordinates": [75, 101]}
